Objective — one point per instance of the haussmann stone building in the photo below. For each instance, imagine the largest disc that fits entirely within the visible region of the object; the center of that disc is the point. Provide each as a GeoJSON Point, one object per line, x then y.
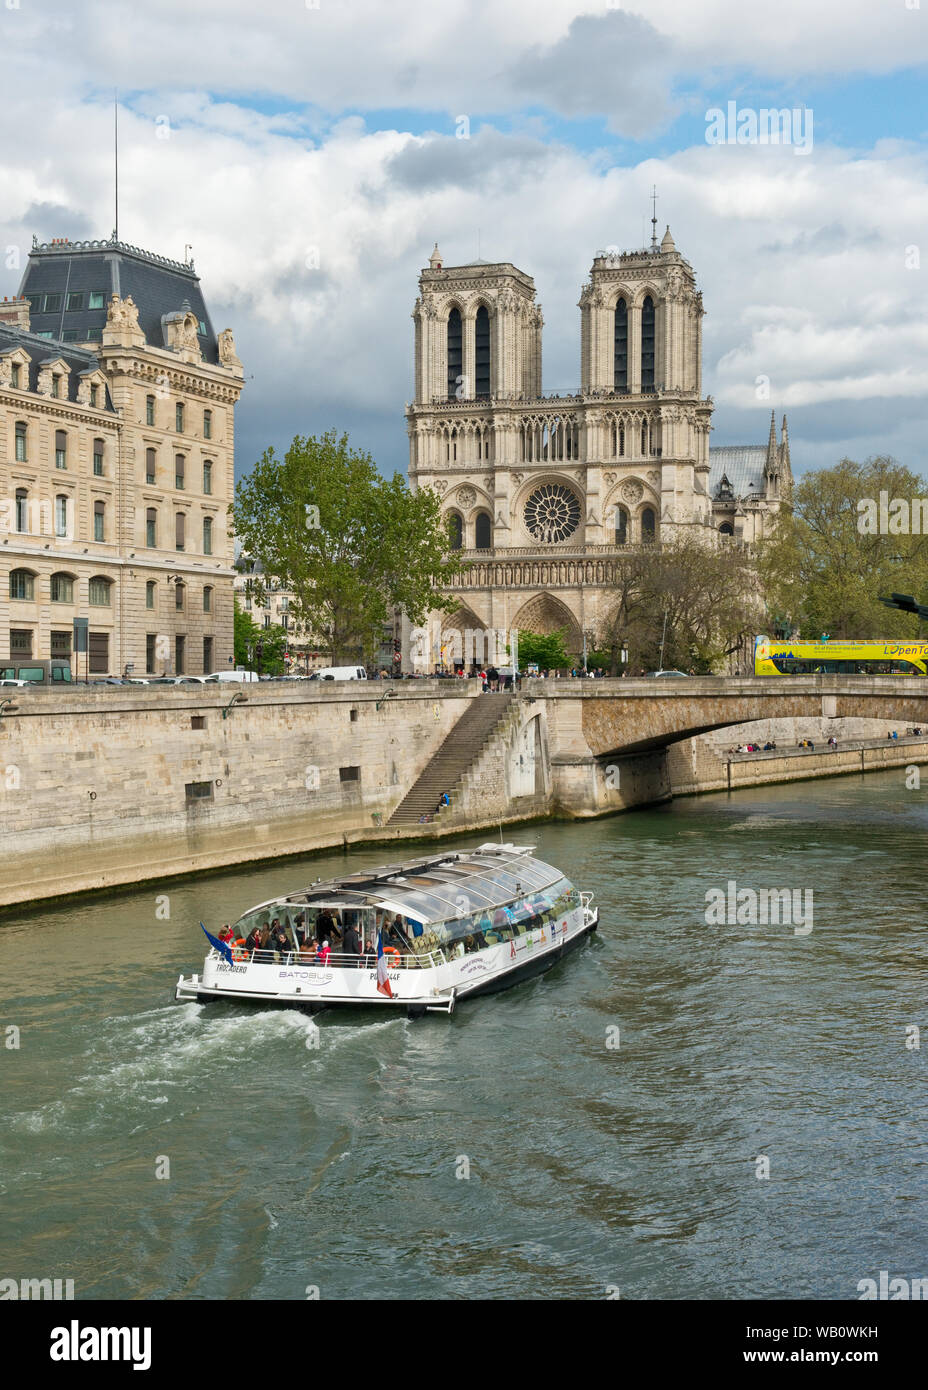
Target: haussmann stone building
{"type": "Point", "coordinates": [117, 402]}
{"type": "Point", "coordinates": [543, 493]}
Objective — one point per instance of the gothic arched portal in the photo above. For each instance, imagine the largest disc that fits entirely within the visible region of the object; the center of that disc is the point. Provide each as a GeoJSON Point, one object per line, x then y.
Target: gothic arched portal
{"type": "Point", "coordinates": [543, 614]}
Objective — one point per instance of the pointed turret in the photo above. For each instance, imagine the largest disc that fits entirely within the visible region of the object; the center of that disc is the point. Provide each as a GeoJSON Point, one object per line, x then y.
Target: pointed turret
{"type": "Point", "coordinates": [667, 244]}
{"type": "Point", "coordinates": [786, 471]}
{"type": "Point", "coordinates": [435, 260]}
{"type": "Point", "coordinates": [770, 466]}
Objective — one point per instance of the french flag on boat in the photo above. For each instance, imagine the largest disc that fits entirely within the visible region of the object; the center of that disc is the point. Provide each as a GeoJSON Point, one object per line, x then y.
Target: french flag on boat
{"type": "Point", "coordinates": [383, 979]}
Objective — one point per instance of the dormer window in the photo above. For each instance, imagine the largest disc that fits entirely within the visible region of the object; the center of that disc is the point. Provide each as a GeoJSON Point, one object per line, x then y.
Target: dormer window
{"type": "Point", "coordinates": [56, 384]}
{"type": "Point", "coordinates": [14, 375]}
{"type": "Point", "coordinates": [94, 393]}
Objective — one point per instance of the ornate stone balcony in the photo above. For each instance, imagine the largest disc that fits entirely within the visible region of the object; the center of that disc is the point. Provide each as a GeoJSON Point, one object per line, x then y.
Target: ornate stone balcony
{"type": "Point", "coordinates": [530, 567]}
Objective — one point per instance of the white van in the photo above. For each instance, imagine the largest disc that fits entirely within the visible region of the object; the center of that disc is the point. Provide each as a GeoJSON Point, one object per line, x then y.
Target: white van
{"type": "Point", "coordinates": [233, 676]}
{"type": "Point", "coordinates": [340, 673]}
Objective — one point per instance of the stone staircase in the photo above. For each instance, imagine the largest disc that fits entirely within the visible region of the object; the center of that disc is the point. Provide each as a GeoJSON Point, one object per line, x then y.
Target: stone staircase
{"type": "Point", "coordinates": [451, 762]}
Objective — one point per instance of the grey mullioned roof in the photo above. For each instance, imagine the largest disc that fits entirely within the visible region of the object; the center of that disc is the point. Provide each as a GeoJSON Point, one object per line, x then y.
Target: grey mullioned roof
{"type": "Point", "coordinates": [431, 889]}
{"type": "Point", "coordinates": [157, 285]}
{"type": "Point", "coordinates": [44, 350]}
{"type": "Point", "coordinates": [743, 466]}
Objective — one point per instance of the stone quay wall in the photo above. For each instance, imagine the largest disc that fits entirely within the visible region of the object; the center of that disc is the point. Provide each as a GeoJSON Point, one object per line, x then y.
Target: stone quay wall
{"type": "Point", "coordinates": [117, 786]}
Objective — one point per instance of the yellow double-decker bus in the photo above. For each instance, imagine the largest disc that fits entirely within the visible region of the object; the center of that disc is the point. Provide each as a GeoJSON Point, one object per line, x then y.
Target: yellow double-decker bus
{"type": "Point", "coordinates": [875, 658]}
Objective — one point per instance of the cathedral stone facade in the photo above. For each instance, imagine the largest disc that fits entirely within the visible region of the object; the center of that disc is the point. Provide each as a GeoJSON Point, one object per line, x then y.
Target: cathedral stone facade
{"type": "Point", "coordinates": [544, 493]}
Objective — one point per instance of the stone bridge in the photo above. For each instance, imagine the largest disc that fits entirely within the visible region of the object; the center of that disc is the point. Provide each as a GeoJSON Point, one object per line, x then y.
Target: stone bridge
{"type": "Point", "coordinates": [606, 740]}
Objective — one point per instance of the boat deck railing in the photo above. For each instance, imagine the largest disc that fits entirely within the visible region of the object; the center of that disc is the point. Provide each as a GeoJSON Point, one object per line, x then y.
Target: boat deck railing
{"type": "Point", "coordinates": [337, 961]}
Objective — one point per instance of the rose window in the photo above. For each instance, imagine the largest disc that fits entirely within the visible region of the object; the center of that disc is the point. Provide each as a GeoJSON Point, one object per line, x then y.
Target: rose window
{"type": "Point", "coordinates": [552, 513]}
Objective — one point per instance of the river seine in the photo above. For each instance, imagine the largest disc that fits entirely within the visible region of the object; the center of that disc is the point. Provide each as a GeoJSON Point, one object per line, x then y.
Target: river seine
{"type": "Point", "coordinates": [682, 1109]}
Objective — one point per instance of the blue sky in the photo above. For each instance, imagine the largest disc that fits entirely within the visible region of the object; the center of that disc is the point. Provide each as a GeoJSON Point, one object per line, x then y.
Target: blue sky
{"type": "Point", "coordinates": [290, 128]}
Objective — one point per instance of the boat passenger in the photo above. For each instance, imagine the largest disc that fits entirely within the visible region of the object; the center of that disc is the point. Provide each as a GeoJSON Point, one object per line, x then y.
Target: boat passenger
{"type": "Point", "coordinates": [324, 925]}
{"type": "Point", "coordinates": [280, 941]}
{"type": "Point", "coordinates": [227, 933]}
{"type": "Point", "coordinates": [351, 945]}
{"type": "Point", "coordinates": [253, 939]}
{"type": "Point", "coordinates": [324, 952]}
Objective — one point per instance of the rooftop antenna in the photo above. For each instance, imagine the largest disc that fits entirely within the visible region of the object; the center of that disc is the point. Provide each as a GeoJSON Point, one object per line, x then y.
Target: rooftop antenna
{"type": "Point", "coordinates": [654, 246]}
{"type": "Point", "coordinates": [116, 159]}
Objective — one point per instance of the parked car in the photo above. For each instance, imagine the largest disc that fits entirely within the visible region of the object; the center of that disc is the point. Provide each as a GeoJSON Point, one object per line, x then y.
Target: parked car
{"type": "Point", "coordinates": [233, 676]}
{"type": "Point", "coordinates": [340, 673]}
{"type": "Point", "coordinates": [666, 673]}
{"type": "Point", "coordinates": [35, 671]}
{"type": "Point", "coordinates": [11, 681]}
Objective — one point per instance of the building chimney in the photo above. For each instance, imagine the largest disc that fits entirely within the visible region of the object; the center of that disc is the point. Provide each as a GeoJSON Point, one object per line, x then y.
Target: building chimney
{"type": "Point", "coordinates": [16, 312]}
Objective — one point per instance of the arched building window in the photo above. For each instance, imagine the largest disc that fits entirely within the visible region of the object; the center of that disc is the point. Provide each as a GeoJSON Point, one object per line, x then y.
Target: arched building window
{"type": "Point", "coordinates": [482, 531]}
{"type": "Point", "coordinates": [648, 526]}
{"type": "Point", "coordinates": [456, 531]}
{"type": "Point", "coordinates": [647, 344]}
{"type": "Point", "coordinates": [62, 587]}
{"type": "Point", "coordinates": [726, 529]}
{"type": "Point", "coordinates": [482, 353]}
{"type": "Point", "coordinates": [455, 352]}
{"type": "Point", "coordinates": [22, 584]}
{"type": "Point", "coordinates": [621, 526]}
{"type": "Point", "coordinates": [621, 346]}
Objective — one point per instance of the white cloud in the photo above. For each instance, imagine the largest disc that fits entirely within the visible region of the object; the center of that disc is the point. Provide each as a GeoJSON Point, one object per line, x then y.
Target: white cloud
{"type": "Point", "coordinates": [802, 261]}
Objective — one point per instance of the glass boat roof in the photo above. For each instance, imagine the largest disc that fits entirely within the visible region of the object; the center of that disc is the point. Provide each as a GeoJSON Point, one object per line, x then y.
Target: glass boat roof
{"type": "Point", "coordinates": [434, 889]}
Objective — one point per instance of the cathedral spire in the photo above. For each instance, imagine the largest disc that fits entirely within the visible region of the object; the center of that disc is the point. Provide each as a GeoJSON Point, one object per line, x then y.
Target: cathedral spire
{"type": "Point", "coordinates": [771, 464]}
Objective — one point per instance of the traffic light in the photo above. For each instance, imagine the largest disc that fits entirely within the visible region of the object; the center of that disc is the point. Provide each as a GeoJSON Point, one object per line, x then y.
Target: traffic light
{"type": "Point", "coordinates": [907, 604]}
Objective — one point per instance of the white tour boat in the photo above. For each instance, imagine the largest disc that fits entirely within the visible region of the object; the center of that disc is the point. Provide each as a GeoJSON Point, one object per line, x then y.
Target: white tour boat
{"type": "Point", "coordinates": [430, 932]}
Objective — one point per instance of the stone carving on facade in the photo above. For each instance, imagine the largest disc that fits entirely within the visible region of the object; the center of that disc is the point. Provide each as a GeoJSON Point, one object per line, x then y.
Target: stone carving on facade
{"type": "Point", "coordinates": [122, 313]}
{"type": "Point", "coordinates": [654, 476]}
{"type": "Point", "coordinates": [517, 478]}
{"type": "Point", "coordinates": [609, 478]}
{"type": "Point", "coordinates": [579, 474]}
{"type": "Point", "coordinates": [488, 484]}
{"type": "Point", "coordinates": [632, 491]}
{"type": "Point", "coordinates": [440, 485]}
{"type": "Point", "coordinates": [6, 371]}
{"type": "Point", "coordinates": [466, 496]}
{"type": "Point", "coordinates": [227, 354]}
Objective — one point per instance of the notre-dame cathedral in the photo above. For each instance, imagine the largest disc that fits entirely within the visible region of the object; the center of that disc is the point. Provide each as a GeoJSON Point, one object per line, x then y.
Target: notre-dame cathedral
{"type": "Point", "coordinates": [542, 492]}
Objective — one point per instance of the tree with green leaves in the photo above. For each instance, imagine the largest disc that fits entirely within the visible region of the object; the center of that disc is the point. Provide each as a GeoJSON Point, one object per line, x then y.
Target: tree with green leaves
{"type": "Point", "coordinates": [707, 589]}
{"type": "Point", "coordinates": [826, 570]}
{"type": "Point", "coordinates": [545, 650]}
{"type": "Point", "coordinates": [259, 648]}
{"type": "Point", "coordinates": [349, 544]}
